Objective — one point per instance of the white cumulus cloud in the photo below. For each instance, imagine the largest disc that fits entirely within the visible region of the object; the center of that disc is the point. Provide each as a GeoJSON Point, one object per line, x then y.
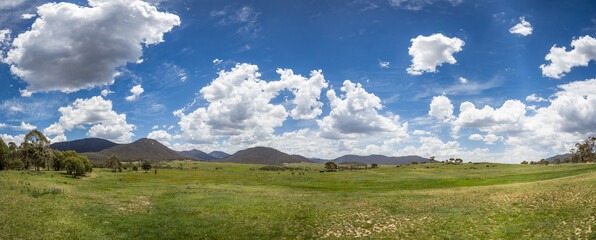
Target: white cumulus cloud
{"type": "Point", "coordinates": [161, 136]}
{"type": "Point", "coordinates": [97, 112]}
{"type": "Point", "coordinates": [432, 51]}
{"type": "Point", "coordinates": [240, 105]}
{"type": "Point", "coordinates": [569, 117]}
{"type": "Point", "coordinates": [355, 113]}
{"type": "Point", "coordinates": [561, 60]}
{"type": "Point", "coordinates": [441, 108]}
{"type": "Point", "coordinates": [28, 15]}
{"type": "Point", "coordinates": [106, 92]}
{"type": "Point", "coordinates": [17, 139]}
{"type": "Point", "coordinates": [136, 91]}
{"type": "Point", "coordinates": [523, 28]}
{"type": "Point", "coordinates": [25, 127]}
{"type": "Point", "coordinates": [71, 47]}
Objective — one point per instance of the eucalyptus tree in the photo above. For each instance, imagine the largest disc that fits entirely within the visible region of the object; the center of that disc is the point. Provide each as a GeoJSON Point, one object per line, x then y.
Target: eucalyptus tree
{"type": "Point", "coordinates": [33, 149]}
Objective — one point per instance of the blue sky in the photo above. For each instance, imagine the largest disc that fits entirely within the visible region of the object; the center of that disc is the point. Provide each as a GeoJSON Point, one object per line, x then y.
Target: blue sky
{"type": "Point", "coordinates": [502, 81]}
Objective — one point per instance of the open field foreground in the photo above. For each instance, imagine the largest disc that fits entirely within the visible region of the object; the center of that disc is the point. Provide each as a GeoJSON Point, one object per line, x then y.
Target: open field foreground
{"type": "Point", "coordinates": [467, 201]}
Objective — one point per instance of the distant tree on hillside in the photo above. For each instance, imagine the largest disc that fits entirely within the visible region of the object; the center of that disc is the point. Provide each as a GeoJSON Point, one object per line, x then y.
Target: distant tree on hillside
{"type": "Point", "coordinates": [584, 152]}
{"type": "Point", "coordinates": [414, 162]}
{"type": "Point", "coordinates": [113, 162]}
{"type": "Point", "coordinates": [374, 165]}
{"type": "Point", "coordinates": [524, 162]}
{"type": "Point", "coordinates": [146, 166]}
{"type": "Point", "coordinates": [458, 161]}
{"type": "Point", "coordinates": [330, 166]}
{"type": "Point", "coordinates": [432, 159]}
{"type": "Point", "coordinates": [556, 161]}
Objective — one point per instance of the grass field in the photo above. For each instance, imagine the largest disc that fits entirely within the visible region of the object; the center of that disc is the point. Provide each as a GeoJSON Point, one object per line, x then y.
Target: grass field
{"type": "Point", "coordinates": [468, 201]}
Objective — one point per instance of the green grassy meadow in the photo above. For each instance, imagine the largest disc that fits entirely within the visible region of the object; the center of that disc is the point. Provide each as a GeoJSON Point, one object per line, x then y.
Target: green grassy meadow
{"type": "Point", "coordinates": [467, 201]}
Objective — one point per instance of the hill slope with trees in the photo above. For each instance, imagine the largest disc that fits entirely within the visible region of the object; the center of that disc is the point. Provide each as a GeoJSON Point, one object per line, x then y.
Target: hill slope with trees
{"type": "Point", "coordinates": [84, 145]}
{"type": "Point", "coordinates": [143, 149]}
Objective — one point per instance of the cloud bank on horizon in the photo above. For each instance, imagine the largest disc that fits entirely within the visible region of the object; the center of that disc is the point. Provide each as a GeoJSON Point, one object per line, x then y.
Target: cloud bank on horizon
{"type": "Point", "coordinates": [454, 79]}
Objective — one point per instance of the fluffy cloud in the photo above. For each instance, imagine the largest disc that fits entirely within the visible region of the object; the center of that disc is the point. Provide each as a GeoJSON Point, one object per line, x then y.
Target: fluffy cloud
{"type": "Point", "coordinates": [502, 120]}
{"type": "Point", "coordinates": [240, 105]}
{"type": "Point", "coordinates": [136, 91]}
{"type": "Point", "coordinates": [355, 113]}
{"type": "Point", "coordinates": [7, 4]}
{"type": "Point", "coordinates": [17, 139]}
{"type": "Point", "coordinates": [441, 108]}
{"type": "Point", "coordinates": [561, 60]}
{"type": "Point", "coordinates": [523, 28]}
{"type": "Point", "coordinates": [25, 127]}
{"type": "Point", "coordinates": [307, 92]}
{"type": "Point", "coordinates": [416, 5]}
{"type": "Point", "coordinates": [161, 136]}
{"type": "Point", "coordinates": [383, 64]}
{"type": "Point", "coordinates": [28, 15]}
{"type": "Point", "coordinates": [4, 36]}
{"type": "Point", "coordinates": [463, 80]}
{"type": "Point", "coordinates": [432, 51]}
{"type": "Point", "coordinates": [421, 132]}
{"type": "Point", "coordinates": [488, 139]}
{"type": "Point", "coordinates": [534, 98]}
{"type": "Point", "coordinates": [71, 47]}
{"type": "Point", "coordinates": [97, 112]}
{"type": "Point", "coordinates": [569, 118]}
{"type": "Point", "coordinates": [476, 137]}
{"type": "Point", "coordinates": [106, 92]}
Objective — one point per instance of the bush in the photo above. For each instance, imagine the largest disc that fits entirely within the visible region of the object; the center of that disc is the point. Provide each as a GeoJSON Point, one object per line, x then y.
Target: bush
{"type": "Point", "coordinates": [524, 162]}
{"type": "Point", "coordinates": [374, 165]}
{"type": "Point", "coordinates": [414, 162]}
{"type": "Point", "coordinates": [330, 166]}
{"type": "Point", "coordinates": [135, 168]}
{"type": "Point", "coordinates": [74, 166]}
{"type": "Point", "coordinates": [16, 164]}
{"type": "Point", "coordinates": [146, 166]}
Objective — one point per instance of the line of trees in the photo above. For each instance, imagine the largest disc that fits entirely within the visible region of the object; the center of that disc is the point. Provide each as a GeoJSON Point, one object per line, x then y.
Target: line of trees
{"type": "Point", "coordinates": [35, 152]}
{"type": "Point", "coordinates": [583, 152]}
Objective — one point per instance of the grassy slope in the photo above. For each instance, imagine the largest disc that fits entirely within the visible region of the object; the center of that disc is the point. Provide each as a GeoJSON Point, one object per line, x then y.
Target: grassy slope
{"type": "Point", "coordinates": [448, 202]}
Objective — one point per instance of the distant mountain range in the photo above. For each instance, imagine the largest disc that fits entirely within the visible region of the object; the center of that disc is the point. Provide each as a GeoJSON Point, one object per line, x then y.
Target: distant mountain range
{"type": "Point", "coordinates": [263, 155]}
{"type": "Point", "coordinates": [98, 150]}
{"type": "Point", "coordinates": [219, 154]}
{"type": "Point", "coordinates": [197, 154]}
{"type": "Point", "coordinates": [143, 149]}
